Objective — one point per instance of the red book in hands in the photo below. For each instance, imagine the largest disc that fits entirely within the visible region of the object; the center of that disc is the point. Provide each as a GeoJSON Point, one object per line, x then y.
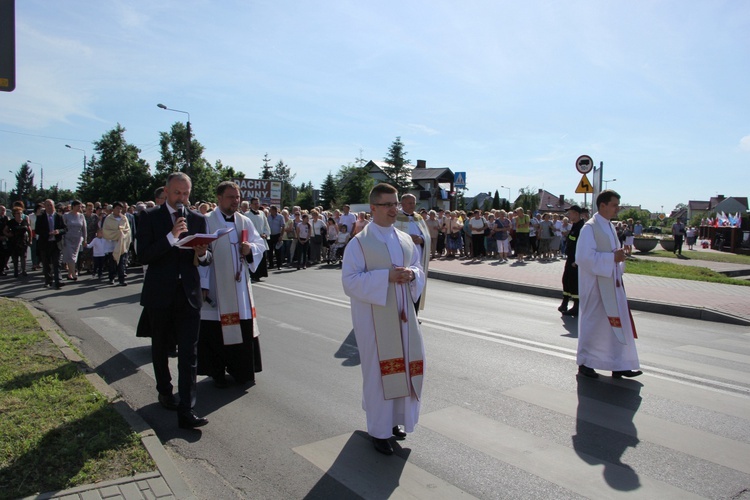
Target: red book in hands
{"type": "Point", "coordinates": [194, 240]}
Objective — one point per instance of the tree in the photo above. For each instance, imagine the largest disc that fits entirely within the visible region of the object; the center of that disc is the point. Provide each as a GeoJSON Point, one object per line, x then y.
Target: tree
{"type": "Point", "coordinates": [397, 170]}
{"type": "Point", "coordinates": [354, 183]}
{"type": "Point", "coordinates": [305, 198]}
{"type": "Point", "coordinates": [267, 171]}
{"type": "Point", "coordinates": [174, 158]}
{"type": "Point", "coordinates": [227, 173]}
{"type": "Point", "coordinates": [496, 201]}
{"type": "Point", "coordinates": [119, 173]}
{"type": "Point", "coordinates": [528, 199]}
{"type": "Point", "coordinates": [25, 189]}
{"type": "Point", "coordinates": [329, 192]}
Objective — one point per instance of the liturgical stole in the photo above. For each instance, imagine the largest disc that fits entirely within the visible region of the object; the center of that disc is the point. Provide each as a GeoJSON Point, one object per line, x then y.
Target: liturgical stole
{"type": "Point", "coordinates": [608, 286]}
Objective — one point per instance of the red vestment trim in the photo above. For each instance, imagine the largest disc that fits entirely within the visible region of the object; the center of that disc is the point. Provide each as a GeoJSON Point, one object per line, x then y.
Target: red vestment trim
{"type": "Point", "coordinates": [230, 319]}
{"type": "Point", "coordinates": [615, 322]}
{"type": "Point", "coordinates": [416, 368]}
{"type": "Point", "coordinates": [392, 366]}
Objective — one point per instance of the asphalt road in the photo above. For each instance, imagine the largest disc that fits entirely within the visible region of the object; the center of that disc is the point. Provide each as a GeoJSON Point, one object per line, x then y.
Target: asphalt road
{"type": "Point", "coordinates": [503, 413]}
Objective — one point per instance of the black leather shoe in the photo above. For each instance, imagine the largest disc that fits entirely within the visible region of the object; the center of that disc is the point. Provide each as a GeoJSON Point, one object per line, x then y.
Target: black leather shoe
{"type": "Point", "coordinates": [382, 446]}
{"type": "Point", "coordinates": [190, 420]}
{"type": "Point", "coordinates": [588, 372]}
{"type": "Point", "coordinates": [573, 311]}
{"type": "Point", "coordinates": [626, 373]}
{"type": "Point", "coordinates": [398, 433]}
{"type": "Point", "coordinates": [168, 401]}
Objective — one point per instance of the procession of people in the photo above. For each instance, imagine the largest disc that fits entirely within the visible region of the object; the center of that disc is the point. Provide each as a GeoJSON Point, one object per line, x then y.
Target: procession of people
{"type": "Point", "coordinates": [198, 303]}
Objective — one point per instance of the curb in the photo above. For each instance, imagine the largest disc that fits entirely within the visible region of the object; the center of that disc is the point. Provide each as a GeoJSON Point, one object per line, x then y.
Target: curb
{"type": "Point", "coordinates": [683, 311]}
{"type": "Point", "coordinates": [167, 479]}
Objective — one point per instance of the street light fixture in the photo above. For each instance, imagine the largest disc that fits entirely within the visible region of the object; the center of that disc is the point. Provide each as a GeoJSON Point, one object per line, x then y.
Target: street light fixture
{"type": "Point", "coordinates": [41, 181]}
{"type": "Point", "coordinates": [187, 145]}
{"type": "Point", "coordinates": [506, 187]}
{"type": "Point", "coordinates": [606, 182]}
{"type": "Point", "coordinates": [79, 149]}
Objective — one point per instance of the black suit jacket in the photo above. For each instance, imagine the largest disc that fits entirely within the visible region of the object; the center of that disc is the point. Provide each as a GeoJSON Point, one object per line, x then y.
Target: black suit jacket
{"type": "Point", "coordinates": [167, 263]}
{"type": "Point", "coordinates": [41, 228]}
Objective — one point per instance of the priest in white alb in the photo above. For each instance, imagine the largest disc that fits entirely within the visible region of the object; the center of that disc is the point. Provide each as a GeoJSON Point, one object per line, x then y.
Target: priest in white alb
{"type": "Point", "coordinates": [606, 332]}
{"type": "Point", "coordinates": [415, 226]}
{"type": "Point", "coordinates": [381, 273]}
{"type": "Point", "coordinates": [228, 340]}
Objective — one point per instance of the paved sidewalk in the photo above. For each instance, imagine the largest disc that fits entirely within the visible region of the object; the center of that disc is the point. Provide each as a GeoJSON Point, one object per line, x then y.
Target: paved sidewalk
{"type": "Point", "coordinates": [163, 483]}
{"type": "Point", "coordinates": [690, 299]}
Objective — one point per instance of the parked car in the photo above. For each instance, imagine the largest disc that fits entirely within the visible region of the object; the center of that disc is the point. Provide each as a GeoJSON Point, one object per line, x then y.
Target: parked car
{"type": "Point", "coordinates": [653, 230]}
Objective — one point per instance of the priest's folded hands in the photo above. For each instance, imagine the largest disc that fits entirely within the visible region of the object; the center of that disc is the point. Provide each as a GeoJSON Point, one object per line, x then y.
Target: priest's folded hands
{"type": "Point", "coordinates": [400, 275]}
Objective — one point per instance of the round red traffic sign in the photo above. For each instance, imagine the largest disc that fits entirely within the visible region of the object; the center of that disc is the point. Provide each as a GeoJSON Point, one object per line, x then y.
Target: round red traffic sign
{"type": "Point", "coordinates": [584, 164]}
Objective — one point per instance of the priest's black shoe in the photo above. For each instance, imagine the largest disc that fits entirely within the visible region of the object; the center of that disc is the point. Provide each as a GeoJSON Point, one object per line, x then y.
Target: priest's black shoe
{"type": "Point", "coordinates": [190, 420]}
{"type": "Point", "coordinates": [588, 372]}
{"type": "Point", "coordinates": [398, 433]}
{"type": "Point", "coordinates": [626, 373]}
{"type": "Point", "coordinates": [382, 446]}
{"type": "Point", "coordinates": [168, 401]}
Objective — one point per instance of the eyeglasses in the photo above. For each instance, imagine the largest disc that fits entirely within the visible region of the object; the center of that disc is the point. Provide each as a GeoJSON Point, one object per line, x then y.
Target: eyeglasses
{"type": "Point", "coordinates": [387, 205]}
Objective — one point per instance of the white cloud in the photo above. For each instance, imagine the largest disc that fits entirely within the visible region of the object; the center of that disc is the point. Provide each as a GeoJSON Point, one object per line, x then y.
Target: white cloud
{"type": "Point", "coordinates": [745, 143]}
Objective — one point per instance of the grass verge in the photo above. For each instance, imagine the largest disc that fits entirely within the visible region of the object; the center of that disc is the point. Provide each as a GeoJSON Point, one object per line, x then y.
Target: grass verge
{"type": "Point", "coordinates": [56, 430]}
{"type": "Point", "coordinates": [669, 270]}
{"type": "Point", "coordinates": [704, 255]}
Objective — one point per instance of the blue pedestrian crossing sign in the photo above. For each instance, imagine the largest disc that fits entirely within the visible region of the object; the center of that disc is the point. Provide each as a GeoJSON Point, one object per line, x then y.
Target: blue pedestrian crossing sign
{"type": "Point", "coordinates": [459, 180]}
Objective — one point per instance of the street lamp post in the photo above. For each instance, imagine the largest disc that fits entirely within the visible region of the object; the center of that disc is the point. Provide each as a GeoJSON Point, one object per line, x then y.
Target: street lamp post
{"type": "Point", "coordinates": [506, 187]}
{"type": "Point", "coordinates": [189, 164]}
{"type": "Point", "coordinates": [79, 149]}
{"type": "Point", "coordinates": [41, 181]}
{"type": "Point", "coordinates": [606, 182]}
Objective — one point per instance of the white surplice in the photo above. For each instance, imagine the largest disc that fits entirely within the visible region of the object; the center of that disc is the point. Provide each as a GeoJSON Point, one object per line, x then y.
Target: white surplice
{"type": "Point", "coordinates": [598, 346]}
{"type": "Point", "coordinates": [366, 288]}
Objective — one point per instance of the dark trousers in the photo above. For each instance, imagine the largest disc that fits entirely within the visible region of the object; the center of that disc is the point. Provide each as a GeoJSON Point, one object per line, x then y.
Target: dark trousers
{"type": "Point", "coordinates": [179, 322]}
{"type": "Point", "coordinates": [50, 257]}
{"type": "Point", "coordinates": [570, 281]}
{"type": "Point", "coordinates": [99, 265]}
{"type": "Point", "coordinates": [275, 256]}
{"type": "Point", "coordinates": [117, 267]}
{"type": "Point", "coordinates": [678, 239]}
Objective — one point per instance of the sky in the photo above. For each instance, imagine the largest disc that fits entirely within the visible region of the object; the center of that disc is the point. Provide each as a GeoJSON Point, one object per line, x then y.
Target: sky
{"type": "Point", "coordinates": [509, 92]}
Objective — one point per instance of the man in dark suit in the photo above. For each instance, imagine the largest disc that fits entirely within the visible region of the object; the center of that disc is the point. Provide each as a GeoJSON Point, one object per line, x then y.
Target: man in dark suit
{"type": "Point", "coordinates": [171, 294]}
{"type": "Point", "coordinates": [50, 227]}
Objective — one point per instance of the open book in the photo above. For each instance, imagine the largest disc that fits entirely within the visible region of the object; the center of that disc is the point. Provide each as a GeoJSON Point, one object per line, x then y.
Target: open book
{"type": "Point", "coordinates": [201, 238]}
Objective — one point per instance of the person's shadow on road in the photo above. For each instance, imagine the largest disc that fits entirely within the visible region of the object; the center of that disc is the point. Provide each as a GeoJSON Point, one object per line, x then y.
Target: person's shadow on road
{"type": "Point", "coordinates": [605, 428]}
{"type": "Point", "coordinates": [361, 472]}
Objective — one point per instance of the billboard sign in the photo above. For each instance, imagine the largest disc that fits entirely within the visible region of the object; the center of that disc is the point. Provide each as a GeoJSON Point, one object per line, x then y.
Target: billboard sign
{"type": "Point", "coordinates": [267, 190]}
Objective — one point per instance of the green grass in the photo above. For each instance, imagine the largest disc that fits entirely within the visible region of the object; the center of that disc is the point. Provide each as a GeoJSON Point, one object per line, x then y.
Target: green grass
{"type": "Point", "coordinates": [56, 431]}
{"type": "Point", "coordinates": [669, 270]}
{"type": "Point", "coordinates": [696, 255]}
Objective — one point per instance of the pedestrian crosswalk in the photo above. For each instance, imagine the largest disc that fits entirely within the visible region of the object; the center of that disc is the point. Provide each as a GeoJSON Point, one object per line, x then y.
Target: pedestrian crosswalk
{"type": "Point", "coordinates": [610, 407]}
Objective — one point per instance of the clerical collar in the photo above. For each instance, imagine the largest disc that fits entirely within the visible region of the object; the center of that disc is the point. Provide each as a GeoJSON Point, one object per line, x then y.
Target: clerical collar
{"type": "Point", "coordinates": [408, 215]}
{"type": "Point", "coordinates": [256, 212]}
{"type": "Point", "coordinates": [228, 218]}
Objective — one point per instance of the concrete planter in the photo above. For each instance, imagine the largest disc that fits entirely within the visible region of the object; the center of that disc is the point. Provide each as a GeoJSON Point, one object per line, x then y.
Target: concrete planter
{"type": "Point", "coordinates": [667, 245]}
{"type": "Point", "coordinates": [645, 245]}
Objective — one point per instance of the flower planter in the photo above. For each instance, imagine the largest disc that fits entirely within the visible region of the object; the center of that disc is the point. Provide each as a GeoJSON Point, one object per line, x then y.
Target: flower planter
{"type": "Point", "coordinates": [645, 245]}
{"type": "Point", "coordinates": [667, 245]}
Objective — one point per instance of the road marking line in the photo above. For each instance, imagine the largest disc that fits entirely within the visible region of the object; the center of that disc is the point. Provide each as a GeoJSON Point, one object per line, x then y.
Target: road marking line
{"type": "Point", "coordinates": [351, 460]}
{"type": "Point", "coordinates": [694, 442]}
{"type": "Point", "coordinates": [715, 353]}
{"type": "Point", "coordinates": [561, 465]}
